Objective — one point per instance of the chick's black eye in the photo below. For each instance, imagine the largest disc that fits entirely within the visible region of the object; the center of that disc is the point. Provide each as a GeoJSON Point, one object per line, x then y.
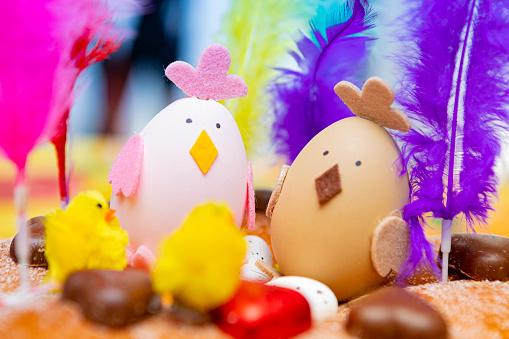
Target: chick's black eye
{"type": "Point", "coordinates": [189, 120]}
{"type": "Point", "coordinates": [99, 205]}
{"type": "Point", "coordinates": [326, 152]}
{"type": "Point", "coordinates": [358, 163]}
{"type": "Point", "coordinates": [218, 125]}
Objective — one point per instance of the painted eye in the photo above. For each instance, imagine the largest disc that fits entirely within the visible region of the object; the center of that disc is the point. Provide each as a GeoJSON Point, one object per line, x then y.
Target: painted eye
{"type": "Point", "coordinates": [99, 205]}
{"type": "Point", "coordinates": [218, 125]}
{"type": "Point", "coordinates": [189, 120]}
{"type": "Point", "coordinates": [358, 163]}
{"type": "Point", "coordinates": [326, 152]}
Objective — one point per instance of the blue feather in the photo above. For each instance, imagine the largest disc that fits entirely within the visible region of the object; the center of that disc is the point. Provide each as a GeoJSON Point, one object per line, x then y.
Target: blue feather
{"type": "Point", "coordinates": [304, 101]}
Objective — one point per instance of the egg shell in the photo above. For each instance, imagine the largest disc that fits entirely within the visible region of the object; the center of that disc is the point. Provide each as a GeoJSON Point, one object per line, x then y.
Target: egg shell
{"type": "Point", "coordinates": [321, 299]}
{"type": "Point", "coordinates": [331, 242]}
{"type": "Point", "coordinates": [171, 183]}
{"type": "Point", "coordinates": [257, 249]}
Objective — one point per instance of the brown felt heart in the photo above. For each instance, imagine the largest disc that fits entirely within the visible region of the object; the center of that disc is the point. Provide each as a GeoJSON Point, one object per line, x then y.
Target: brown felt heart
{"type": "Point", "coordinates": [373, 102]}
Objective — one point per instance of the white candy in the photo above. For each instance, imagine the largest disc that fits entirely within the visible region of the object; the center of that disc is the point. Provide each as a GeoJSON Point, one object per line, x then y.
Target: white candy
{"type": "Point", "coordinates": [321, 299]}
{"type": "Point", "coordinates": [257, 249]}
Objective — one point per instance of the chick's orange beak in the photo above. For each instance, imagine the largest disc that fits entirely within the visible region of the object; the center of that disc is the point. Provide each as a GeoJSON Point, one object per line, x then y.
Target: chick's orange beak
{"type": "Point", "coordinates": [204, 152]}
{"type": "Point", "coordinates": [110, 215]}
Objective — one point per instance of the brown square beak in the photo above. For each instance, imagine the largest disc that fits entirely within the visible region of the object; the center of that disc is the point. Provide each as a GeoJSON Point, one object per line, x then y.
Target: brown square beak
{"type": "Point", "coordinates": [328, 184]}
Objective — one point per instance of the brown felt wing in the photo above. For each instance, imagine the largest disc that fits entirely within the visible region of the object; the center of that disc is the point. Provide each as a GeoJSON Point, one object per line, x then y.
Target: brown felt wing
{"type": "Point", "coordinates": [276, 191]}
{"type": "Point", "coordinates": [389, 247]}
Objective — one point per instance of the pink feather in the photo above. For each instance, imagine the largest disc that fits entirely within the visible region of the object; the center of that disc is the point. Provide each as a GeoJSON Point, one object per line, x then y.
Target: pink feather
{"type": "Point", "coordinates": [29, 59]}
{"type": "Point", "coordinates": [87, 28]}
{"type": "Point", "coordinates": [250, 201]}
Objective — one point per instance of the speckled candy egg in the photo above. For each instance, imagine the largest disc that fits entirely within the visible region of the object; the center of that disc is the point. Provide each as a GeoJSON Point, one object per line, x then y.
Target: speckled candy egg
{"type": "Point", "coordinates": [180, 170]}
{"type": "Point", "coordinates": [322, 226]}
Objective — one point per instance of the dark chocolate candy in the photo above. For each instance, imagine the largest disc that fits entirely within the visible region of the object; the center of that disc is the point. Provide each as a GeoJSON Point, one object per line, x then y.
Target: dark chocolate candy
{"type": "Point", "coordinates": [113, 298]}
{"type": "Point", "coordinates": [395, 313]}
{"type": "Point", "coordinates": [37, 234]}
{"type": "Point", "coordinates": [480, 256]}
{"type": "Point", "coordinates": [328, 184]}
{"type": "Point", "coordinates": [262, 200]}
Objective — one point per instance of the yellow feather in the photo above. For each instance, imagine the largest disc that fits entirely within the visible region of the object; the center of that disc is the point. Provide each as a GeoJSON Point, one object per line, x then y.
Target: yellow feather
{"type": "Point", "coordinates": [258, 34]}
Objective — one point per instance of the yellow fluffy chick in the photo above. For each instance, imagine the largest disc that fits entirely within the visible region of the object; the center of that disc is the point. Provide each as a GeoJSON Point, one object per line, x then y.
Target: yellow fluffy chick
{"type": "Point", "coordinates": [200, 263]}
{"type": "Point", "coordinates": [86, 236]}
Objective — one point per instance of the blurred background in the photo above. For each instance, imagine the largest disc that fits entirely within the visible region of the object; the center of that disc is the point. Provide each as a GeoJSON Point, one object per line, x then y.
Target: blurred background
{"type": "Point", "coordinates": [119, 96]}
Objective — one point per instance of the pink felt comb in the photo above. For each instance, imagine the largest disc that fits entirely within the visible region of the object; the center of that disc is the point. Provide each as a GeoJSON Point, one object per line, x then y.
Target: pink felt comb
{"type": "Point", "coordinates": [209, 80]}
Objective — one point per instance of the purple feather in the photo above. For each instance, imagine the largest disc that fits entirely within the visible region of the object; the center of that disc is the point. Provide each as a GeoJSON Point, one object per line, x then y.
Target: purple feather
{"type": "Point", "coordinates": [304, 101]}
{"type": "Point", "coordinates": [455, 90]}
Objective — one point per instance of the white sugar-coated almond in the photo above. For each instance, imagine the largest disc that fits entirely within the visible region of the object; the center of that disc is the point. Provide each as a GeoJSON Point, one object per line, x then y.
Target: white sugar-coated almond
{"type": "Point", "coordinates": [321, 299]}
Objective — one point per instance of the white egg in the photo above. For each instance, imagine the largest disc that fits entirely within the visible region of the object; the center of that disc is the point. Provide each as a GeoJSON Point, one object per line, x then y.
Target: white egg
{"type": "Point", "coordinates": [171, 183]}
{"type": "Point", "coordinates": [321, 299]}
{"type": "Point", "coordinates": [257, 249]}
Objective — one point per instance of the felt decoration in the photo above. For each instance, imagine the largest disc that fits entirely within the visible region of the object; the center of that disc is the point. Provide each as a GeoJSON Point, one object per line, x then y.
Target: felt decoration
{"type": "Point", "coordinates": [204, 152]}
{"type": "Point", "coordinates": [455, 86]}
{"type": "Point", "coordinates": [373, 103]}
{"type": "Point", "coordinates": [200, 263]}
{"type": "Point", "coordinates": [86, 236]}
{"type": "Point", "coordinates": [274, 197]}
{"type": "Point", "coordinates": [267, 269]}
{"type": "Point", "coordinates": [125, 171]}
{"type": "Point", "coordinates": [209, 80]}
{"type": "Point", "coordinates": [303, 100]}
{"type": "Point", "coordinates": [251, 212]}
{"type": "Point", "coordinates": [258, 34]}
{"type": "Point", "coordinates": [390, 244]}
{"type": "Point", "coordinates": [328, 184]}
{"type": "Point", "coordinates": [143, 259]}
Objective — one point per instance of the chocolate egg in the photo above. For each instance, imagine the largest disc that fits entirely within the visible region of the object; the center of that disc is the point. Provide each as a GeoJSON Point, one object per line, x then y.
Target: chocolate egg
{"type": "Point", "coordinates": [341, 186]}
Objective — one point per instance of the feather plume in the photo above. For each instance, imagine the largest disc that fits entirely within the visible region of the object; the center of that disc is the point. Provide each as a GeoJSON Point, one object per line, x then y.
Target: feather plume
{"type": "Point", "coordinates": [31, 55]}
{"type": "Point", "coordinates": [29, 59]}
{"type": "Point", "coordinates": [455, 90]}
{"type": "Point", "coordinates": [87, 29]}
{"type": "Point", "coordinates": [37, 74]}
{"type": "Point", "coordinates": [258, 34]}
{"type": "Point", "coordinates": [304, 101]}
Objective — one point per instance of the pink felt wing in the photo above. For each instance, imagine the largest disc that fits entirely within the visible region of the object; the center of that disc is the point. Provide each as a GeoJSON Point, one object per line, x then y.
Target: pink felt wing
{"type": "Point", "coordinates": [125, 172]}
{"type": "Point", "coordinates": [209, 80]}
{"type": "Point", "coordinates": [250, 201]}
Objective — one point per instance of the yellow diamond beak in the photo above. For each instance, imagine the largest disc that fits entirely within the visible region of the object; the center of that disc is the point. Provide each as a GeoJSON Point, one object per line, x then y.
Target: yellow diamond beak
{"type": "Point", "coordinates": [204, 152]}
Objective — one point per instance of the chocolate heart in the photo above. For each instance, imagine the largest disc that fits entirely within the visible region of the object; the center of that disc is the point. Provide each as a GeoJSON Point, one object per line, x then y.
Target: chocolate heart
{"type": "Point", "coordinates": [112, 298]}
{"type": "Point", "coordinates": [36, 234]}
{"type": "Point", "coordinates": [480, 256]}
{"type": "Point", "coordinates": [395, 313]}
{"type": "Point", "coordinates": [261, 311]}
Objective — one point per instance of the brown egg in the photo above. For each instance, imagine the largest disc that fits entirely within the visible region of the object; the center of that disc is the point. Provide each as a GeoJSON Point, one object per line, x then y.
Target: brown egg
{"type": "Point", "coordinates": [330, 241]}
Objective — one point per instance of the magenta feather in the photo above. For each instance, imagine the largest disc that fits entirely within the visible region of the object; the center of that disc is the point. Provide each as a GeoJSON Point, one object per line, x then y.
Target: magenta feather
{"type": "Point", "coordinates": [30, 57]}
{"type": "Point", "coordinates": [304, 100]}
{"type": "Point", "coordinates": [455, 89]}
{"type": "Point", "coordinates": [91, 35]}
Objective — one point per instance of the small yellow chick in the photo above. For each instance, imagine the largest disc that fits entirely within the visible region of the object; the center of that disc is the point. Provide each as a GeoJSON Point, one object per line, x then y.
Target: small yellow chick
{"type": "Point", "coordinates": [200, 263]}
{"type": "Point", "coordinates": [86, 236]}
